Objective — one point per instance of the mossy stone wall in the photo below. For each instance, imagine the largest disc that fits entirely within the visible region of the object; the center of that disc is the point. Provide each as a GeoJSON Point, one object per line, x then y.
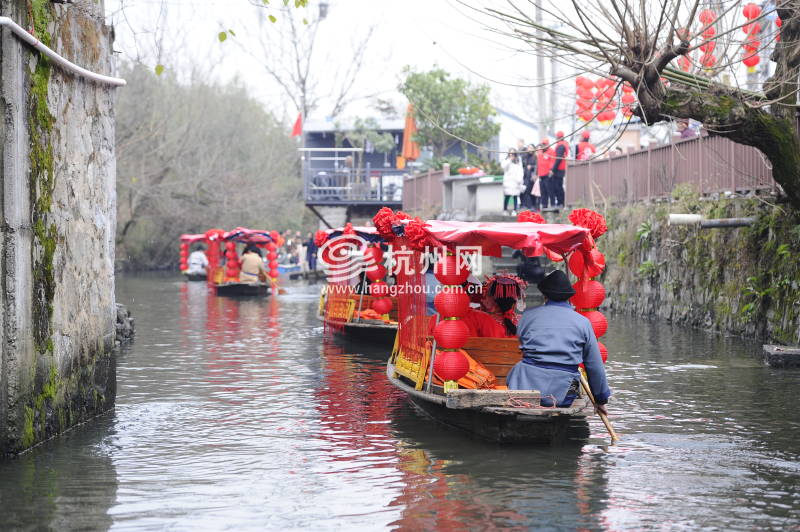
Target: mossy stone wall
{"type": "Point", "coordinates": [743, 281]}
{"type": "Point", "coordinates": [57, 336]}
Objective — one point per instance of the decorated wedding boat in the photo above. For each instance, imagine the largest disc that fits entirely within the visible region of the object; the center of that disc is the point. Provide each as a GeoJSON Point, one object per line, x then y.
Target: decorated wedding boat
{"type": "Point", "coordinates": [458, 380]}
{"type": "Point", "coordinates": [187, 241]}
{"type": "Point", "coordinates": [226, 279]}
{"type": "Point", "coordinates": [356, 302]}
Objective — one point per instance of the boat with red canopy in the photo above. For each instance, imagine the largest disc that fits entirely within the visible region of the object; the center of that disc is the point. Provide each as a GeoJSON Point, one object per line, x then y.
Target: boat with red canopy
{"type": "Point", "coordinates": [460, 380]}
{"type": "Point", "coordinates": [356, 303]}
{"type": "Point", "coordinates": [186, 242]}
{"type": "Point", "coordinates": [226, 280]}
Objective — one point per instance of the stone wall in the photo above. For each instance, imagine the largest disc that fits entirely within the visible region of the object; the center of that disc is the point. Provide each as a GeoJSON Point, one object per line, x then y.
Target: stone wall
{"type": "Point", "coordinates": [742, 281]}
{"type": "Point", "coordinates": [58, 211]}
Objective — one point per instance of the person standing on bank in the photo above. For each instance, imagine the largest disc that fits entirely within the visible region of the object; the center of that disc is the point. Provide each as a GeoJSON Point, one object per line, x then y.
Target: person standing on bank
{"type": "Point", "coordinates": [554, 339]}
{"type": "Point", "coordinates": [544, 163]}
{"type": "Point", "coordinates": [528, 158]}
{"type": "Point", "coordinates": [512, 180]}
{"type": "Point", "coordinates": [559, 170]}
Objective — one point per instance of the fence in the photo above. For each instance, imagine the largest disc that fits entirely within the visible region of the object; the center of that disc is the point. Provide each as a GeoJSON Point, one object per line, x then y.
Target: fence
{"type": "Point", "coordinates": [422, 193]}
{"type": "Point", "coordinates": [711, 164]}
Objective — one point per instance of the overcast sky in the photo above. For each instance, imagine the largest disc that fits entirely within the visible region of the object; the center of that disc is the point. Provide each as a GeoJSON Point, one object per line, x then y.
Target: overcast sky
{"type": "Point", "coordinates": [420, 33]}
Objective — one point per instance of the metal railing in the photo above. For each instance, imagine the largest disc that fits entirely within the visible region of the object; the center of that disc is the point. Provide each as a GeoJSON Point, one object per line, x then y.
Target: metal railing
{"type": "Point", "coordinates": [711, 164]}
{"type": "Point", "coordinates": [328, 180]}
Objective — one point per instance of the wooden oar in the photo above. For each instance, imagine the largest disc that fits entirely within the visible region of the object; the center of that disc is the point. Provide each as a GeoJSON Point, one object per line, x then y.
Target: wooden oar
{"type": "Point", "coordinates": [604, 417]}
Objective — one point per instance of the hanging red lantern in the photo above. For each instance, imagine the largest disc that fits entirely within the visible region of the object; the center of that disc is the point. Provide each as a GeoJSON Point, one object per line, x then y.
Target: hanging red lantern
{"type": "Point", "coordinates": [598, 321]}
{"type": "Point", "coordinates": [751, 11]}
{"type": "Point", "coordinates": [684, 63]}
{"type": "Point", "coordinates": [751, 61]}
{"type": "Point", "coordinates": [450, 365]}
{"type": "Point", "coordinates": [273, 264]}
{"type": "Point", "coordinates": [603, 352]}
{"type": "Point", "coordinates": [708, 46]}
{"type": "Point", "coordinates": [231, 272]}
{"type": "Point", "coordinates": [709, 33]}
{"type": "Point", "coordinates": [453, 301]}
{"type": "Point", "coordinates": [707, 16]}
{"type": "Point", "coordinates": [231, 255]}
{"type": "Point", "coordinates": [379, 289]}
{"type": "Point", "coordinates": [628, 98]}
{"type": "Point", "coordinates": [578, 267]}
{"type": "Point", "coordinates": [450, 269]}
{"type": "Point", "coordinates": [588, 294]}
{"type": "Point", "coordinates": [586, 116]}
{"type": "Point", "coordinates": [708, 60]}
{"type": "Point", "coordinates": [272, 256]}
{"type": "Point", "coordinates": [271, 246]}
{"type": "Point", "coordinates": [376, 272]}
{"type": "Point", "coordinates": [752, 29]}
{"type": "Point", "coordinates": [230, 244]}
{"type": "Point", "coordinates": [375, 253]}
{"type": "Point", "coordinates": [382, 306]}
{"type": "Point", "coordinates": [451, 334]}
{"type": "Point", "coordinates": [274, 273]}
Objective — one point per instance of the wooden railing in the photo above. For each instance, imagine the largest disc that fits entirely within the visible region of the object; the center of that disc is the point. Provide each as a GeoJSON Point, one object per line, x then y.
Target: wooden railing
{"type": "Point", "coordinates": [711, 164]}
{"type": "Point", "coordinates": [422, 193]}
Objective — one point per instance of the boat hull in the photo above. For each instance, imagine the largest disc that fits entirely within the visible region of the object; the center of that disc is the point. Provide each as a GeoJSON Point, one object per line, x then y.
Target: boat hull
{"type": "Point", "coordinates": [501, 425]}
{"type": "Point", "coordinates": [243, 289]}
{"type": "Point", "coordinates": [364, 331]}
{"type": "Point", "coordinates": [195, 276]}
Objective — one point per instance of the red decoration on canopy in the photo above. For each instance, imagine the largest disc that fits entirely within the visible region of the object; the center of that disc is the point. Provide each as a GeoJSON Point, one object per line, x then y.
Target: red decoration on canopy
{"type": "Point", "coordinates": [383, 223]}
{"type": "Point", "coordinates": [603, 352]}
{"type": "Point", "coordinates": [453, 301]}
{"type": "Point", "coordinates": [589, 219]}
{"type": "Point", "coordinates": [530, 216]}
{"type": "Point", "coordinates": [451, 334]}
{"type": "Point", "coordinates": [348, 229]}
{"type": "Point", "coordinates": [588, 294]}
{"type": "Point", "coordinates": [416, 234]}
{"type": "Point", "coordinates": [598, 321]}
{"type": "Point", "coordinates": [382, 306]}
{"type": "Point", "coordinates": [577, 264]}
{"type": "Point", "coordinates": [320, 237]}
{"type": "Point", "coordinates": [450, 365]}
{"type": "Point", "coordinates": [450, 269]}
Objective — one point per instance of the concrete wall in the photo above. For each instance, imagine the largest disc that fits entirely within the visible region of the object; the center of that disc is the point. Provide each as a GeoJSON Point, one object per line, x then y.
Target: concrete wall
{"type": "Point", "coordinates": [58, 212]}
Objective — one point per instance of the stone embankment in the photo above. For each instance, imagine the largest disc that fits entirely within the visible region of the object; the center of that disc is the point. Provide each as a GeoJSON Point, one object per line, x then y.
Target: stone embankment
{"type": "Point", "coordinates": [741, 281]}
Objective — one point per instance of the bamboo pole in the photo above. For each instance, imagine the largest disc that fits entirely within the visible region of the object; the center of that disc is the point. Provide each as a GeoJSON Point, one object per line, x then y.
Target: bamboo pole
{"type": "Point", "coordinates": [603, 417]}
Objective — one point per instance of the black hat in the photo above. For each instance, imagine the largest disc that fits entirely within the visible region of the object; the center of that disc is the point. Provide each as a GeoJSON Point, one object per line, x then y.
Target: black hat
{"type": "Point", "coordinates": [556, 286]}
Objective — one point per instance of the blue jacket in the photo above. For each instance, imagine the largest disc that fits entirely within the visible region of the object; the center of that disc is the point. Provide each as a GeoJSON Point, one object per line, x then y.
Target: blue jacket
{"type": "Point", "coordinates": [554, 339]}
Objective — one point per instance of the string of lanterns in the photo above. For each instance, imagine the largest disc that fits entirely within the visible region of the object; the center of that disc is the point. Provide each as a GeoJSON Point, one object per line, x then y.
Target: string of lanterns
{"type": "Point", "coordinates": [377, 274]}
{"type": "Point", "coordinates": [451, 333]}
{"type": "Point", "coordinates": [595, 99]}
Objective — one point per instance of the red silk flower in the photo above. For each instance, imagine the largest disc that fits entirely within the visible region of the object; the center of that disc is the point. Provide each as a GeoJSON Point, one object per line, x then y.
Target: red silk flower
{"type": "Point", "coordinates": [416, 234]}
{"type": "Point", "coordinates": [348, 229]}
{"type": "Point", "coordinates": [590, 220]}
{"type": "Point", "coordinates": [530, 216]}
{"type": "Point", "coordinates": [383, 223]}
{"type": "Point", "coordinates": [320, 237]}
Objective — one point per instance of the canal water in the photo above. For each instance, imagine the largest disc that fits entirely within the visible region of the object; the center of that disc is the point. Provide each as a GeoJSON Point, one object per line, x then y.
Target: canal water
{"type": "Point", "coordinates": [236, 414]}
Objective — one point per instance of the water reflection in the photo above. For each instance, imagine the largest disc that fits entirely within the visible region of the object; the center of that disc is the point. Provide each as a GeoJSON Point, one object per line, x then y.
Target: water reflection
{"type": "Point", "coordinates": [241, 414]}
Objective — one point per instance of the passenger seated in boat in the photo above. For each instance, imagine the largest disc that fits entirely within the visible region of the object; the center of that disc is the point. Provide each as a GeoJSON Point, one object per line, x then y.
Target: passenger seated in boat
{"type": "Point", "coordinates": [500, 296]}
{"type": "Point", "coordinates": [554, 339]}
{"type": "Point", "coordinates": [253, 269]}
{"type": "Point", "coordinates": [198, 262]}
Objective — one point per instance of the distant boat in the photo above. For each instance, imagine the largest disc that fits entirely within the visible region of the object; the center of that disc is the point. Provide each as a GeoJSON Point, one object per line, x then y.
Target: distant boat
{"type": "Point", "coordinates": [195, 276]}
{"type": "Point", "coordinates": [243, 289]}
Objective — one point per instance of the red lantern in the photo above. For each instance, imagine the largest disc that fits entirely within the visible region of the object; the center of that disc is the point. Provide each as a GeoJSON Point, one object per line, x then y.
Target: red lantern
{"type": "Point", "coordinates": [752, 29]}
{"type": "Point", "coordinates": [684, 63]}
{"type": "Point", "coordinates": [274, 273]}
{"type": "Point", "coordinates": [382, 306]}
{"type": "Point", "coordinates": [751, 11]}
{"type": "Point", "coordinates": [588, 294]}
{"type": "Point", "coordinates": [751, 61]}
{"type": "Point", "coordinates": [375, 253]}
{"type": "Point", "coordinates": [707, 17]}
{"type": "Point", "coordinates": [231, 272]}
{"type": "Point", "coordinates": [708, 60]}
{"type": "Point", "coordinates": [376, 272]}
{"type": "Point", "coordinates": [230, 245]}
{"type": "Point", "coordinates": [452, 302]}
{"type": "Point", "coordinates": [184, 266]}
{"type": "Point", "coordinates": [231, 255]}
{"type": "Point", "coordinates": [379, 289]}
{"type": "Point", "coordinates": [273, 264]}
{"type": "Point", "coordinates": [603, 352]}
{"type": "Point", "coordinates": [586, 116]}
{"type": "Point", "coordinates": [272, 255]}
{"type": "Point", "coordinates": [450, 270]}
{"type": "Point", "coordinates": [598, 321]}
{"type": "Point", "coordinates": [451, 334]}
{"type": "Point", "coordinates": [450, 365]}
{"type": "Point", "coordinates": [708, 46]}
{"type": "Point", "coordinates": [628, 98]}
{"type": "Point", "coordinates": [579, 269]}
{"type": "Point", "coordinates": [709, 33]}
{"type": "Point", "coordinates": [271, 247]}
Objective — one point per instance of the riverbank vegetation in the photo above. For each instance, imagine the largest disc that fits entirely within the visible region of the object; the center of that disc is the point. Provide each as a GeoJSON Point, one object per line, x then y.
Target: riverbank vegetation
{"type": "Point", "coordinates": [195, 155]}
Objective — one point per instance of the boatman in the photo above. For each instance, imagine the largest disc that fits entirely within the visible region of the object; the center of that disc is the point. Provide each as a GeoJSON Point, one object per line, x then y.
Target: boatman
{"type": "Point", "coordinates": [554, 339]}
{"type": "Point", "coordinates": [253, 269]}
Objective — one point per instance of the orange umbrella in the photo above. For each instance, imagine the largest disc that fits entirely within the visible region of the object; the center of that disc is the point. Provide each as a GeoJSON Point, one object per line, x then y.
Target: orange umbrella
{"type": "Point", "coordinates": [410, 148]}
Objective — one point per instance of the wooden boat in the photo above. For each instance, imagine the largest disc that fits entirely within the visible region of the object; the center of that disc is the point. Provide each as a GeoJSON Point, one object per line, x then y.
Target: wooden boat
{"type": "Point", "coordinates": [243, 289]}
{"type": "Point", "coordinates": [194, 276]}
{"type": "Point", "coordinates": [343, 317]}
{"type": "Point", "coordinates": [505, 416]}
{"type": "Point", "coordinates": [349, 314]}
{"type": "Point", "coordinates": [491, 412]}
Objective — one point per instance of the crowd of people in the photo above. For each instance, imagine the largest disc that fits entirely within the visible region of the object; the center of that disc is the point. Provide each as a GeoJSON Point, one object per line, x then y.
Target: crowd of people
{"type": "Point", "coordinates": [533, 175]}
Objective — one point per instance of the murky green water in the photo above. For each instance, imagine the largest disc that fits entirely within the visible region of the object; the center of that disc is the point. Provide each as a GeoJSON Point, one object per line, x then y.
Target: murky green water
{"type": "Point", "coordinates": [235, 415]}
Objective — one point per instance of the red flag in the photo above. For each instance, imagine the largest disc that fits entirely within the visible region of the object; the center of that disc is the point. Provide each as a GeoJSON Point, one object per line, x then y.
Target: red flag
{"type": "Point", "coordinates": [298, 125]}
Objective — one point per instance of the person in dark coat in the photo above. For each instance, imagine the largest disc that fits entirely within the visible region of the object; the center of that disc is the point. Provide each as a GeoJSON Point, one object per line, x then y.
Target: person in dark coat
{"type": "Point", "coordinates": [554, 339]}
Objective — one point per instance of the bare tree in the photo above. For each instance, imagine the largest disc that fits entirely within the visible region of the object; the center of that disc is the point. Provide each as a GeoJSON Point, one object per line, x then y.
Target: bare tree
{"type": "Point", "coordinates": [307, 73]}
{"type": "Point", "coordinates": [683, 58]}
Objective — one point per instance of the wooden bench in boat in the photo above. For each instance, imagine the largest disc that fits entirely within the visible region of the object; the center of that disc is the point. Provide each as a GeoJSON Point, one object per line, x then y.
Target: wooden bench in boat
{"type": "Point", "coordinates": [499, 355]}
{"type": "Point", "coordinates": [345, 307]}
